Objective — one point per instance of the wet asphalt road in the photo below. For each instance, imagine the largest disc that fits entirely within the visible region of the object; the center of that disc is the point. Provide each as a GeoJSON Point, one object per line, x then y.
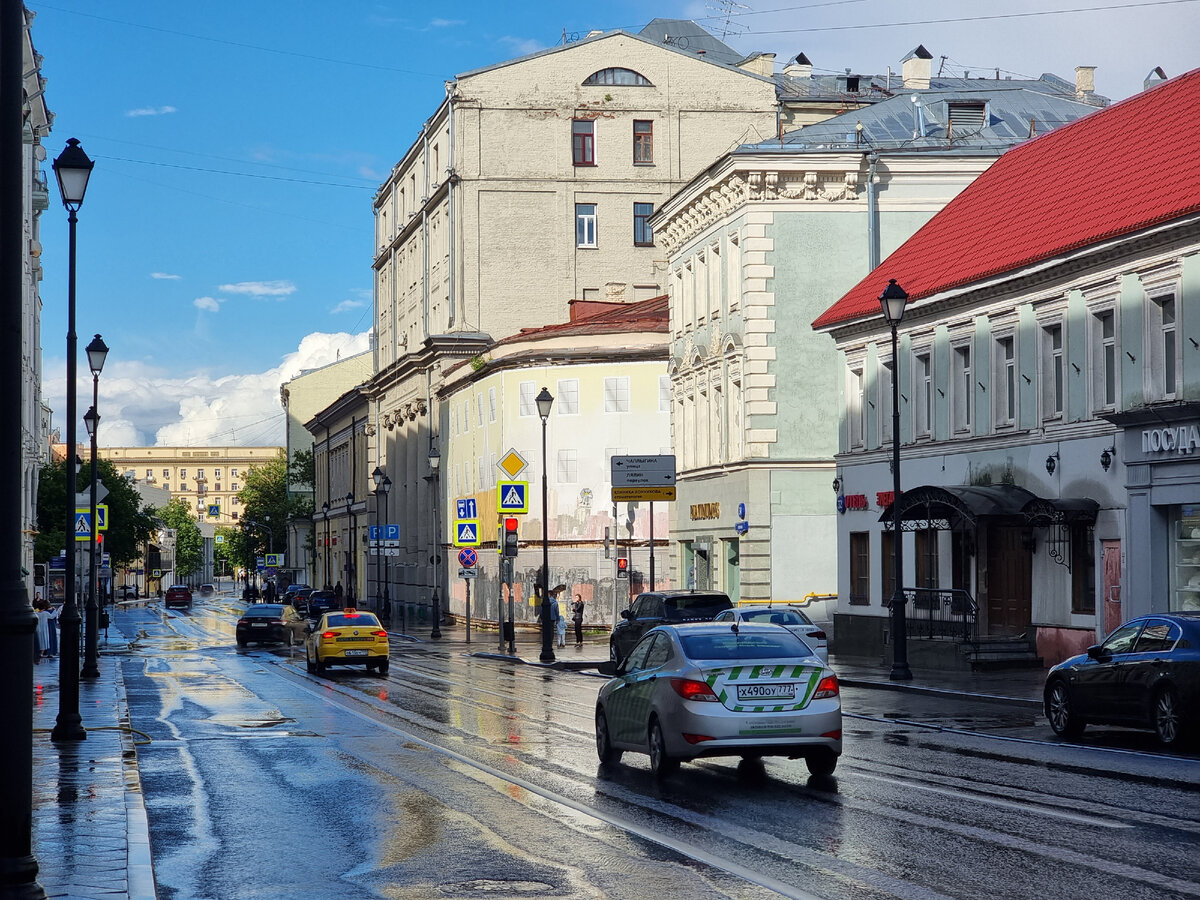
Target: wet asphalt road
{"type": "Point", "coordinates": [463, 778]}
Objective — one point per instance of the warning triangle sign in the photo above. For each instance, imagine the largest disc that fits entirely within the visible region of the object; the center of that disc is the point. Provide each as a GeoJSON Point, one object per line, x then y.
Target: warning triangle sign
{"type": "Point", "coordinates": [512, 497]}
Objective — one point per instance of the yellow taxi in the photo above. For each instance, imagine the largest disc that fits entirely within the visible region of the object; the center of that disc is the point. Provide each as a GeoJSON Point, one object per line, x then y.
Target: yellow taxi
{"type": "Point", "coordinates": [347, 637]}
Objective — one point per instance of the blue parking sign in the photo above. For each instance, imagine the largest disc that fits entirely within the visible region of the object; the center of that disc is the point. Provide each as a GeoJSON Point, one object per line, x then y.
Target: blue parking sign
{"type": "Point", "coordinates": [373, 533]}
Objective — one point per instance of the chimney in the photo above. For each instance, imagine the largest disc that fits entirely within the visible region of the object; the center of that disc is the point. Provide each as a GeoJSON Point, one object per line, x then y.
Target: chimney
{"type": "Point", "coordinates": [799, 67]}
{"type": "Point", "coordinates": [1085, 81]}
{"type": "Point", "coordinates": [1154, 78]}
{"type": "Point", "coordinates": [918, 66]}
{"type": "Point", "coordinates": [759, 64]}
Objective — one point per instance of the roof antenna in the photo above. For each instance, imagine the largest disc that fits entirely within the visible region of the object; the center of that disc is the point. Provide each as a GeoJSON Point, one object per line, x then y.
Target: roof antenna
{"type": "Point", "coordinates": [1033, 127]}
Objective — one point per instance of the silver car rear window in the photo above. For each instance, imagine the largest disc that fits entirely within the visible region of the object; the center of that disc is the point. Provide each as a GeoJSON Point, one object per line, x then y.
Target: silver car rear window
{"type": "Point", "coordinates": [743, 646]}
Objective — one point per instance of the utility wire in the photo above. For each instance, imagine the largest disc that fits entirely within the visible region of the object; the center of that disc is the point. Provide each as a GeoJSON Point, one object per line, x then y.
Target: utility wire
{"type": "Point", "coordinates": [146, 162]}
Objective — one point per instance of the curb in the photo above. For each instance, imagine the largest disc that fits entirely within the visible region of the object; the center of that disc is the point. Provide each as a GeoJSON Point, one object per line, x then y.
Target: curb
{"type": "Point", "coordinates": [940, 692]}
{"type": "Point", "coordinates": [139, 861]}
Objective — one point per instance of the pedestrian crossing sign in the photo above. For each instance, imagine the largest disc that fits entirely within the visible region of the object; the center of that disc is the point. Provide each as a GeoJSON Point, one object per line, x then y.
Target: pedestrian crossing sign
{"type": "Point", "coordinates": [512, 497]}
{"type": "Point", "coordinates": [214, 510]}
{"type": "Point", "coordinates": [466, 533]}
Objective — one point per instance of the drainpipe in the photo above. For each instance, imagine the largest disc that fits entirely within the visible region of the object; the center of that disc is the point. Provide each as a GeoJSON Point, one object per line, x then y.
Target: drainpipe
{"type": "Point", "coordinates": [425, 233]}
{"type": "Point", "coordinates": [450, 176]}
{"type": "Point", "coordinates": [872, 214]}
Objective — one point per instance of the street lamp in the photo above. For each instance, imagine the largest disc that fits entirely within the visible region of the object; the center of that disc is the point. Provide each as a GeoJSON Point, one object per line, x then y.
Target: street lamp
{"type": "Point", "coordinates": [351, 568]}
{"type": "Point", "coordinates": [97, 352]}
{"type": "Point", "coordinates": [325, 514]}
{"type": "Point", "coordinates": [383, 485]}
{"type": "Point", "coordinates": [435, 460]}
{"type": "Point", "coordinates": [892, 300]}
{"type": "Point", "coordinates": [544, 401]}
{"type": "Point", "coordinates": [72, 169]}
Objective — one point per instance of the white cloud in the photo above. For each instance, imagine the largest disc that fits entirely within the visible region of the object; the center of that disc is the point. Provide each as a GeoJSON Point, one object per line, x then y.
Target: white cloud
{"type": "Point", "coordinates": [163, 276]}
{"type": "Point", "coordinates": [445, 23]}
{"type": "Point", "coordinates": [151, 111]}
{"type": "Point", "coordinates": [208, 303]}
{"type": "Point", "coordinates": [260, 288]}
{"type": "Point", "coordinates": [522, 46]}
{"type": "Point", "coordinates": [141, 405]}
{"type": "Point", "coordinates": [347, 305]}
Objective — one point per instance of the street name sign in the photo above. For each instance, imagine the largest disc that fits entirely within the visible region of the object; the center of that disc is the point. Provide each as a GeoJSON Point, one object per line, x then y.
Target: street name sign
{"type": "Point", "coordinates": [643, 478]}
{"type": "Point", "coordinates": [468, 573]}
{"type": "Point", "coordinates": [512, 497]}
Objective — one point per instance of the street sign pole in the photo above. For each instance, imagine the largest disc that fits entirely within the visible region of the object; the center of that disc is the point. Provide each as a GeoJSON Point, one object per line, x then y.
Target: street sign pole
{"type": "Point", "coordinates": [616, 557]}
{"type": "Point", "coordinates": [651, 545]}
{"type": "Point", "coordinates": [468, 581]}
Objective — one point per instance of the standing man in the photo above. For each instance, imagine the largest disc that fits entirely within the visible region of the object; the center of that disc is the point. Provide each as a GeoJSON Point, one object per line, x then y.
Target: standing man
{"type": "Point", "coordinates": [577, 618]}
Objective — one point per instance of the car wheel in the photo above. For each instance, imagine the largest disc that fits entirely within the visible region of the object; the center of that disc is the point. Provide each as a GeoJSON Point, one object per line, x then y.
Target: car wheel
{"type": "Point", "coordinates": [604, 748]}
{"type": "Point", "coordinates": [320, 664]}
{"type": "Point", "coordinates": [1063, 719]}
{"type": "Point", "coordinates": [662, 763]}
{"type": "Point", "coordinates": [1165, 715]}
{"type": "Point", "coordinates": [241, 643]}
{"type": "Point", "coordinates": [821, 762]}
{"type": "Point", "coordinates": [383, 667]}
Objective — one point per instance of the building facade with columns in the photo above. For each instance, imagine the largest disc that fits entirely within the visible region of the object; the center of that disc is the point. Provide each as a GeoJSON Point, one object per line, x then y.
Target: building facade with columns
{"type": "Point", "coordinates": [758, 245]}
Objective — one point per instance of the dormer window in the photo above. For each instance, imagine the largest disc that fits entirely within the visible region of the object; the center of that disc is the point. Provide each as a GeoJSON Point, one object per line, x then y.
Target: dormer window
{"type": "Point", "coordinates": [967, 114]}
{"type": "Point", "coordinates": [621, 77]}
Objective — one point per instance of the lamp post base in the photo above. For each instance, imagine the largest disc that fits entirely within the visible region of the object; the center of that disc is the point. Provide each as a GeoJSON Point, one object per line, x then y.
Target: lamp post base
{"type": "Point", "coordinates": [900, 672]}
{"type": "Point", "coordinates": [68, 727]}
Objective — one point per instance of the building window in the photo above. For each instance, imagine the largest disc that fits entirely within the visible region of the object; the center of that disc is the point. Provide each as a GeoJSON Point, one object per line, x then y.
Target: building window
{"type": "Point", "coordinates": [218, 486]}
{"type": "Point", "coordinates": [236, 501]}
{"type": "Point", "coordinates": [618, 76]}
{"type": "Point", "coordinates": [166, 487]}
{"type": "Point", "coordinates": [887, 561]}
{"type": "Point", "coordinates": [234, 486]}
{"type": "Point", "coordinates": [216, 473]}
{"type": "Point", "coordinates": [643, 234]}
{"type": "Point", "coordinates": [183, 487]}
{"type": "Point", "coordinates": [491, 404]}
{"type": "Point", "coordinates": [860, 568]}
{"type": "Point", "coordinates": [1104, 360]}
{"type": "Point", "coordinates": [643, 142]}
{"type": "Point", "coordinates": [528, 404]}
{"type": "Point", "coordinates": [200, 474]}
{"type": "Point", "coordinates": [233, 516]}
{"type": "Point", "coordinates": [583, 142]}
{"type": "Point", "coordinates": [183, 473]}
{"type": "Point", "coordinates": [479, 409]}
{"type": "Point", "coordinates": [926, 546]}
{"type": "Point", "coordinates": [1083, 570]}
{"type": "Point", "coordinates": [961, 389]}
{"type": "Point", "coordinates": [585, 224]}
{"type": "Point", "coordinates": [1052, 372]}
{"type": "Point", "coordinates": [166, 473]}
{"type": "Point", "coordinates": [1164, 355]}
{"type": "Point", "coordinates": [664, 393]}
{"type": "Point", "coordinates": [1005, 382]}
{"type": "Point", "coordinates": [233, 473]}
{"type": "Point", "coordinates": [855, 407]}
{"type": "Point", "coordinates": [567, 400]}
{"type": "Point", "coordinates": [616, 394]}
{"type": "Point", "coordinates": [885, 401]}
{"type": "Point", "coordinates": [568, 466]}
{"type": "Point", "coordinates": [922, 395]}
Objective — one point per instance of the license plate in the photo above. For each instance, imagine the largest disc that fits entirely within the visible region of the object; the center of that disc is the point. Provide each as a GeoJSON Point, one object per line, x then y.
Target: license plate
{"type": "Point", "coordinates": [258, 624]}
{"type": "Point", "coordinates": [356, 652]}
{"type": "Point", "coordinates": [752, 692]}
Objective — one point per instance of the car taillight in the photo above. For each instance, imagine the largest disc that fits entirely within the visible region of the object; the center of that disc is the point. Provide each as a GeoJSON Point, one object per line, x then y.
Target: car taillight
{"type": "Point", "coordinates": [819, 635]}
{"type": "Point", "coordinates": [329, 635]}
{"type": "Point", "coordinates": [697, 738]}
{"type": "Point", "coordinates": [690, 689]}
{"type": "Point", "coordinates": [827, 688]}
{"type": "Point", "coordinates": [379, 633]}
{"type": "Point", "coordinates": [243, 621]}
{"type": "Point", "coordinates": [836, 734]}
{"type": "Point", "coordinates": [278, 622]}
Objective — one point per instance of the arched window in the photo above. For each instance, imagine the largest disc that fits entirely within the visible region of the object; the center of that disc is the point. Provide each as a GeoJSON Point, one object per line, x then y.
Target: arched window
{"type": "Point", "coordinates": [623, 77]}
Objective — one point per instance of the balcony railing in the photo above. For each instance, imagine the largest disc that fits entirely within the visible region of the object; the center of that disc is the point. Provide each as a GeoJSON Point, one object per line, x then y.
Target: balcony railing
{"type": "Point", "coordinates": [941, 613]}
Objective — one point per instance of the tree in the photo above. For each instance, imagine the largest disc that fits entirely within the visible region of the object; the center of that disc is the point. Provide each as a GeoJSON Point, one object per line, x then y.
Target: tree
{"type": "Point", "coordinates": [189, 543]}
{"type": "Point", "coordinates": [303, 471]}
{"type": "Point", "coordinates": [130, 524]}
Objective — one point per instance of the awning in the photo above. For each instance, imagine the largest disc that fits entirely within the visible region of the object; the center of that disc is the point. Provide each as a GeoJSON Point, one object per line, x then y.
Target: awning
{"type": "Point", "coordinates": [1002, 503]}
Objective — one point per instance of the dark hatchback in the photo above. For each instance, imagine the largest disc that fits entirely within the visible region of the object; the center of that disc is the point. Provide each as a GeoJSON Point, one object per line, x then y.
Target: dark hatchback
{"type": "Point", "coordinates": [321, 602]}
{"type": "Point", "coordinates": [662, 608]}
{"type": "Point", "coordinates": [1146, 674]}
{"type": "Point", "coordinates": [271, 623]}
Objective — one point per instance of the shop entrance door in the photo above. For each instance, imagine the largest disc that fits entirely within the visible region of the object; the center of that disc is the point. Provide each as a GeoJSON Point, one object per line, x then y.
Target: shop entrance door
{"type": "Point", "coordinates": [1010, 582]}
{"type": "Point", "coordinates": [1112, 585]}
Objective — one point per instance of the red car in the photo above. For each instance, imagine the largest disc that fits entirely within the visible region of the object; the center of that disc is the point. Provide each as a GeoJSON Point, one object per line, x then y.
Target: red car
{"type": "Point", "coordinates": [178, 595]}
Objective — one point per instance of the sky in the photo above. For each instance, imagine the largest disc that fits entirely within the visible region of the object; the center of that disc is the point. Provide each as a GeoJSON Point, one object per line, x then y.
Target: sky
{"type": "Point", "coordinates": [225, 241]}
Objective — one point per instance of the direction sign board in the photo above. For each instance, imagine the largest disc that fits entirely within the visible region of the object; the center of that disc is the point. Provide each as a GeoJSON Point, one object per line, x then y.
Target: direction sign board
{"type": "Point", "coordinates": [466, 533]}
{"type": "Point", "coordinates": [512, 464]}
{"type": "Point", "coordinates": [467, 509]}
{"type": "Point", "coordinates": [467, 558]}
{"type": "Point", "coordinates": [643, 478]}
{"type": "Point", "coordinates": [512, 497]}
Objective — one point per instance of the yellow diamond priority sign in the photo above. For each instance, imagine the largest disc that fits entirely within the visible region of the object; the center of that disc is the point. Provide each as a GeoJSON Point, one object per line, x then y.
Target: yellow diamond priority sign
{"type": "Point", "coordinates": [512, 464]}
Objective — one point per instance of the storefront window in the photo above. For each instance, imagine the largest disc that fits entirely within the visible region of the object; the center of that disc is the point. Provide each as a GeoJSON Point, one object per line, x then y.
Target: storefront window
{"type": "Point", "coordinates": [1185, 559]}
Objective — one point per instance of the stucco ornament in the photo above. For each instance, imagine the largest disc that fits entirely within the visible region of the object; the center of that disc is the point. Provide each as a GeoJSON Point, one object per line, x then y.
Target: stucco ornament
{"type": "Point", "coordinates": [369, 429]}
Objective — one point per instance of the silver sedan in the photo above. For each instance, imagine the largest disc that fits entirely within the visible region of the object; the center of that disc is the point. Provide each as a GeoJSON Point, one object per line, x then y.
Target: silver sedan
{"type": "Point", "coordinates": [731, 689]}
{"type": "Point", "coordinates": [794, 620]}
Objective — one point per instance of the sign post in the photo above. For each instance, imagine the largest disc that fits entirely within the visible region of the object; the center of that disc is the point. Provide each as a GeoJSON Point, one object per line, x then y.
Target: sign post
{"type": "Point", "coordinates": [649, 478]}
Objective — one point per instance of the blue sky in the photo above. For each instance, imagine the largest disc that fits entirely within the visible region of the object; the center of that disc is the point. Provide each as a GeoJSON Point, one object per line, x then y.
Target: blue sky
{"type": "Point", "coordinates": [225, 241]}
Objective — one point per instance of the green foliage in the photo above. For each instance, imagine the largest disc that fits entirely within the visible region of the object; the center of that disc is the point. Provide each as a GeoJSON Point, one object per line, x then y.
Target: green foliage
{"type": "Point", "coordinates": [189, 543]}
{"type": "Point", "coordinates": [478, 362]}
{"type": "Point", "coordinates": [303, 471]}
{"type": "Point", "coordinates": [130, 524]}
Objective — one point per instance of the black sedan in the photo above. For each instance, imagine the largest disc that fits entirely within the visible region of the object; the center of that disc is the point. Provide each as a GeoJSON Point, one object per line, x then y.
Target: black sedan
{"type": "Point", "coordinates": [1146, 674]}
{"type": "Point", "coordinates": [270, 623]}
{"type": "Point", "coordinates": [321, 602]}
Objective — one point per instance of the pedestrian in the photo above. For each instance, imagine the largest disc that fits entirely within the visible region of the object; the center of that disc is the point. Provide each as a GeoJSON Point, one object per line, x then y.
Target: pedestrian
{"type": "Point", "coordinates": [577, 618]}
{"type": "Point", "coordinates": [558, 620]}
{"type": "Point", "coordinates": [337, 592]}
{"type": "Point", "coordinates": [44, 624]}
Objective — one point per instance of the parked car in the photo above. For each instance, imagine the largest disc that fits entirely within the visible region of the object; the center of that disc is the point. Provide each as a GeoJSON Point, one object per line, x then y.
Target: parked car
{"type": "Point", "coordinates": [708, 689]}
{"type": "Point", "coordinates": [347, 637]}
{"type": "Point", "coordinates": [207, 590]}
{"type": "Point", "coordinates": [271, 623]}
{"type": "Point", "coordinates": [299, 599]}
{"type": "Point", "coordinates": [794, 620]}
{"type": "Point", "coordinates": [178, 595]}
{"type": "Point", "coordinates": [321, 602]}
{"type": "Point", "coordinates": [1146, 674]}
{"type": "Point", "coordinates": [659, 608]}
{"type": "Point", "coordinates": [126, 592]}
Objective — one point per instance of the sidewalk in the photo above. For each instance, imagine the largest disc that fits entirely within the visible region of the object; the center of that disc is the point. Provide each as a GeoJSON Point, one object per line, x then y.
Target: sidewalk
{"type": "Point", "coordinates": [1021, 687]}
{"type": "Point", "coordinates": [90, 834]}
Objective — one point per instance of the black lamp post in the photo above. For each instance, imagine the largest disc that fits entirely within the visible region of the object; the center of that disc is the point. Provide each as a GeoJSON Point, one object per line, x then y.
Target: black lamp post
{"type": "Point", "coordinates": [325, 514]}
{"type": "Point", "coordinates": [435, 460]}
{"type": "Point", "coordinates": [97, 352]}
{"type": "Point", "coordinates": [351, 569]}
{"type": "Point", "coordinates": [383, 484]}
{"type": "Point", "coordinates": [544, 401]}
{"type": "Point", "coordinates": [893, 300]}
{"type": "Point", "coordinates": [72, 169]}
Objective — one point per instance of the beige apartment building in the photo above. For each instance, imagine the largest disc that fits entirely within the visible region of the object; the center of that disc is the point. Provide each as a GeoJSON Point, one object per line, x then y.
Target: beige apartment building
{"type": "Point", "coordinates": [204, 477]}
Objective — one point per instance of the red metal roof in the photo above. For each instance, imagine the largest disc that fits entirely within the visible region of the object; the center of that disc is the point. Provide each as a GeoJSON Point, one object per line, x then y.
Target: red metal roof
{"type": "Point", "coordinates": [599, 317]}
{"type": "Point", "coordinates": [1114, 172]}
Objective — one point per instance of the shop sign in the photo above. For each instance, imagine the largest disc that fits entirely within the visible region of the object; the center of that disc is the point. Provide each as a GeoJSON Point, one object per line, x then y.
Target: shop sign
{"type": "Point", "coordinates": [857, 501]}
{"type": "Point", "coordinates": [701, 511]}
{"type": "Point", "coordinates": [1180, 439]}
{"type": "Point", "coordinates": [883, 499]}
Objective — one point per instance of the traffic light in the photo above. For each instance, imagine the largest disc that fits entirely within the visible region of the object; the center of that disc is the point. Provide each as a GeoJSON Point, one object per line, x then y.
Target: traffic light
{"type": "Point", "coordinates": [510, 536]}
{"type": "Point", "coordinates": [622, 567]}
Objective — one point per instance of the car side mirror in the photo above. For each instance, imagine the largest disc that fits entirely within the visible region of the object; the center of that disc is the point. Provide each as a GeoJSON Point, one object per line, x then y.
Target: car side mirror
{"type": "Point", "coordinates": [1097, 651]}
{"type": "Point", "coordinates": [626, 613]}
{"type": "Point", "coordinates": [608, 667]}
